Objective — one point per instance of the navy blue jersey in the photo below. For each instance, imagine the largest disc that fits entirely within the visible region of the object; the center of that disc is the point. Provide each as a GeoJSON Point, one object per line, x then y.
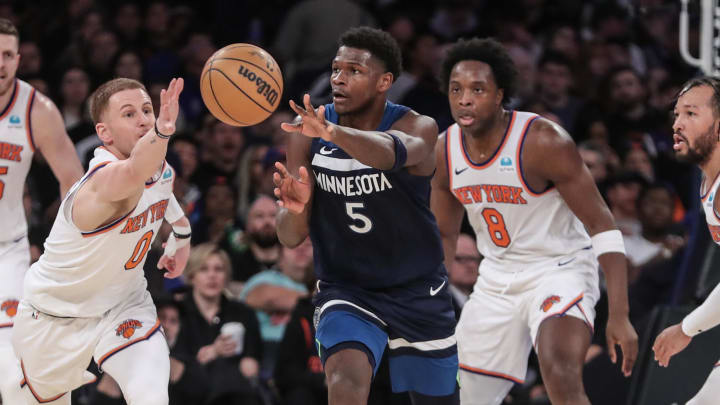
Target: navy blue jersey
{"type": "Point", "coordinates": [370, 228]}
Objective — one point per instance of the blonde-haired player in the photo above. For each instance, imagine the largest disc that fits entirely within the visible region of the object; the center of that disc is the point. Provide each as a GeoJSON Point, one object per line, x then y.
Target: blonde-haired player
{"type": "Point", "coordinates": [86, 296]}
{"type": "Point", "coordinates": [29, 122]}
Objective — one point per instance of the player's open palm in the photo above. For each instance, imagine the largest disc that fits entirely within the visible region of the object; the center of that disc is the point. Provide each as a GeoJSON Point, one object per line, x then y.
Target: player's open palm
{"type": "Point", "coordinates": [311, 121]}
{"type": "Point", "coordinates": [621, 332]}
{"type": "Point", "coordinates": [292, 193]}
{"type": "Point", "coordinates": [670, 342]}
{"type": "Point", "coordinates": [169, 106]}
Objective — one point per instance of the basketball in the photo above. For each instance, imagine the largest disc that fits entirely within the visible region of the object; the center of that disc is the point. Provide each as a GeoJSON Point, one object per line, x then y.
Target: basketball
{"type": "Point", "coordinates": [241, 84]}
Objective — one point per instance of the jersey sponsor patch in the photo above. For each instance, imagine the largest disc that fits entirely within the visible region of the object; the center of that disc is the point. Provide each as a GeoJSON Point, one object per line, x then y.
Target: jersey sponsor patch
{"type": "Point", "coordinates": [549, 302]}
{"type": "Point", "coordinates": [127, 328]}
{"type": "Point", "coordinates": [9, 307]}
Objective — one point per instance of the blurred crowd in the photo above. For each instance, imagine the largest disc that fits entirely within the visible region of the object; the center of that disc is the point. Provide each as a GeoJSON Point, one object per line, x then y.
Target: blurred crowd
{"type": "Point", "coordinates": [607, 71]}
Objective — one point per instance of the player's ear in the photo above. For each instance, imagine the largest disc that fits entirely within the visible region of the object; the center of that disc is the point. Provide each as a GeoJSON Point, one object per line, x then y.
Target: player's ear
{"type": "Point", "coordinates": [385, 82]}
{"type": "Point", "coordinates": [103, 133]}
{"type": "Point", "coordinates": [499, 96]}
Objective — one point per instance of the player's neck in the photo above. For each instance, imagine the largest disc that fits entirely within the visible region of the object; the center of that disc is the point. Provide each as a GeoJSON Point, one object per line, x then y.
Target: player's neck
{"type": "Point", "coordinates": [711, 168]}
{"type": "Point", "coordinates": [5, 97]}
{"type": "Point", "coordinates": [487, 138]}
{"type": "Point", "coordinates": [365, 119]}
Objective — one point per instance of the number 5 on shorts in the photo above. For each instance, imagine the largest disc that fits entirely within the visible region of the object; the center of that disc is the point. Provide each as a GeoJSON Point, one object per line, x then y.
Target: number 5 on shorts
{"type": "Point", "coordinates": [140, 249]}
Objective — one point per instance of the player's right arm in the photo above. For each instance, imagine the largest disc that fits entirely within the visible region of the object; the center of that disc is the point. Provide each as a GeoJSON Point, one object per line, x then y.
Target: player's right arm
{"type": "Point", "coordinates": [447, 209]}
{"type": "Point", "coordinates": [293, 188]}
{"type": "Point", "coordinates": [125, 178]}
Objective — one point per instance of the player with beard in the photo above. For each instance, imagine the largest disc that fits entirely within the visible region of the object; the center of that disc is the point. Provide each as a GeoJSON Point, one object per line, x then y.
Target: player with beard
{"type": "Point", "coordinates": [541, 226]}
{"type": "Point", "coordinates": [696, 135]}
{"type": "Point", "coordinates": [377, 251]}
{"type": "Point", "coordinates": [29, 122]}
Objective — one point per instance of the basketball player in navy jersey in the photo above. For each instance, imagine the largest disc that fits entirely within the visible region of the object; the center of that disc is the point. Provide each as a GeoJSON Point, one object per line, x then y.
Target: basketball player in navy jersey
{"type": "Point", "coordinates": [378, 254]}
{"type": "Point", "coordinates": [541, 226]}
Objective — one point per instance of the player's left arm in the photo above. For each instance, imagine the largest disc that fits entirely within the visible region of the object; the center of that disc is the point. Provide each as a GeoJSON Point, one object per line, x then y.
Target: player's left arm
{"type": "Point", "coordinates": [566, 170]}
{"type": "Point", "coordinates": [48, 132]}
{"type": "Point", "coordinates": [177, 246]}
{"type": "Point", "coordinates": [410, 142]}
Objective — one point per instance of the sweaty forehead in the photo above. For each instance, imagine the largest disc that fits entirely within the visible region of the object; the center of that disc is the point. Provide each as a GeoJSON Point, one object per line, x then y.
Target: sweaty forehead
{"type": "Point", "coordinates": [134, 97]}
{"type": "Point", "coordinates": [358, 56]}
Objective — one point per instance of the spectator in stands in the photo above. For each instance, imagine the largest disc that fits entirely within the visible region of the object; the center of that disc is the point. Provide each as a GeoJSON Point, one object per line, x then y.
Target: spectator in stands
{"type": "Point", "coordinates": [231, 364]}
{"type": "Point", "coordinates": [299, 374]}
{"type": "Point", "coordinates": [555, 80]}
{"type": "Point", "coordinates": [187, 192]}
{"type": "Point", "coordinates": [464, 271]}
{"type": "Point", "coordinates": [128, 63]}
{"type": "Point", "coordinates": [74, 91]}
{"type": "Point", "coordinates": [638, 160]}
{"type": "Point", "coordinates": [250, 176]}
{"type": "Point", "coordinates": [622, 192]}
{"type": "Point", "coordinates": [225, 145]}
{"type": "Point", "coordinates": [257, 248]}
{"type": "Point", "coordinates": [595, 160]}
{"type": "Point", "coordinates": [31, 60]}
{"type": "Point", "coordinates": [273, 294]}
{"type": "Point", "coordinates": [217, 208]}
{"type": "Point", "coordinates": [127, 23]}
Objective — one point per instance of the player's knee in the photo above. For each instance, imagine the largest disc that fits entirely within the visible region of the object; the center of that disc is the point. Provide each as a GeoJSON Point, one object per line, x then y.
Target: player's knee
{"type": "Point", "coordinates": [347, 381]}
{"type": "Point", "coordinates": [562, 377]}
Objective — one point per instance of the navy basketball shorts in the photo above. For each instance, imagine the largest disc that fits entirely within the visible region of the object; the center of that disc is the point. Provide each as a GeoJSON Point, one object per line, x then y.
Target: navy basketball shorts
{"type": "Point", "coordinates": [415, 321]}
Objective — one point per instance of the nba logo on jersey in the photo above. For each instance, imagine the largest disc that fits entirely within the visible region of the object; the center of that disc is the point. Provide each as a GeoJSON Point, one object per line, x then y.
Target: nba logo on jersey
{"type": "Point", "coordinates": [712, 195]}
{"type": "Point", "coordinates": [506, 164]}
{"type": "Point", "coordinates": [127, 328]}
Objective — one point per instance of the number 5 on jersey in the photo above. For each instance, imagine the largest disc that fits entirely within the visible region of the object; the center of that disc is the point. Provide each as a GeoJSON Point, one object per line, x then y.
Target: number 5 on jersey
{"type": "Point", "coordinates": [356, 216]}
{"type": "Point", "coordinates": [496, 227]}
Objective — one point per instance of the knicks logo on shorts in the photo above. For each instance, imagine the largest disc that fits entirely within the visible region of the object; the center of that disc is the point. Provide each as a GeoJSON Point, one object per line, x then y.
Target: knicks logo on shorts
{"type": "Point", "coordinates": [549, 302]}
{"type": "Point", "coordinates": [9, 307]}
{"type": "Point", "coordinates": [127, 328]}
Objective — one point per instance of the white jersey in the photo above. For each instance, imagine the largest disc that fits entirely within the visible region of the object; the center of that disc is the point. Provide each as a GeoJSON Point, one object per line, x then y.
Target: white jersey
{"type": "Point", "coordinates": [513, 223]}
{"type": "Point", "coordinates": [16, 152]}
{"type": "Point", "coordinates": [84, 274]}
{"type": "Point", "coordinates": [707, 196]}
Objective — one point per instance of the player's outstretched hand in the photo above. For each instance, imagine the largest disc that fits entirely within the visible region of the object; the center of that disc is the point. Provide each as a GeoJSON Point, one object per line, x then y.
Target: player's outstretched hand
{"type": "Point", "coordinates": [311, 121]}
{"type": "Point", "coordinates": [621, 332]}
{"type": "Point", "coordinates": [174, 264]}
{"type": "Point", "coordinates": [169, 106]}
{"type": "Point", "coordinates": [292, 193]}
{"type": "Point", "coordinates": [670, 342]}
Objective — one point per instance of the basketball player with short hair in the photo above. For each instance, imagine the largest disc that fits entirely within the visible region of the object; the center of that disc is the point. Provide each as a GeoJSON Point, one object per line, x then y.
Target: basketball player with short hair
{"type": "Point", "coordinates": [696, 135]}
{"type": "Point", "coordinates": [29, 122]}
{"type": "Point", "coordinates": [532, 203]}
{"type": "Point", "coordinates": [87, 297]}
{"type": "Point", "coordinates": [377, 250]}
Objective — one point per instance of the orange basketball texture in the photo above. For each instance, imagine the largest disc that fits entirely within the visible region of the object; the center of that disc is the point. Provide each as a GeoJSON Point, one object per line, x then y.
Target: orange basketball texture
{"type": "Point", "coordinates": [241, 84]}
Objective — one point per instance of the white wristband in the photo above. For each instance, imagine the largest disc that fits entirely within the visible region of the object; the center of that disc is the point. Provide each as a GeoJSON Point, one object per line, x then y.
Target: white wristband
{"type": "Point", "coordinates": [182, 230]}
{"type": "Point", "coordinates": [608, 241]}
{"type": "Point", "coordinates": [173, 244]}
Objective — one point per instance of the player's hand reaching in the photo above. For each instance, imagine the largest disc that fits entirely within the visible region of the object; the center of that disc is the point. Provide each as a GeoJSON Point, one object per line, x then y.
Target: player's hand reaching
{"type": "Point", "coordinates": [175, 263]}
{"type": "Point", "coordinates": [169, 107]}
{"type": "Point", "coordinates": [670, 342]}
{"type": "Point", "coordinates": [621, 332]}
{"type": "Point", "coordinates": [292, 193]}
{"type": "Point", "coordinates": [312, 121]}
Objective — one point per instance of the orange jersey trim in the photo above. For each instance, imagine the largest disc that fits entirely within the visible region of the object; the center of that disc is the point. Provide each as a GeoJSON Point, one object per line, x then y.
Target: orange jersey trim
{"type": "Point", "coordinates": [497, 151]}
{"type": "Point", "coordinates": [148, 335]}
{"type": "Point", "coordinates": [518, 158]}
{"type": "Point", "coordinates": [37, 397]}
{"type": "Point", "coordinates": [10, 105]}
{"type": "Point", "coordinates": [491, 373]}
{"type": "Point", "coordinates": [28, 128]}
{"type": "Point", "coordinates": [706, 194]}
{"type": "Point", "coordinates": [572, 303]}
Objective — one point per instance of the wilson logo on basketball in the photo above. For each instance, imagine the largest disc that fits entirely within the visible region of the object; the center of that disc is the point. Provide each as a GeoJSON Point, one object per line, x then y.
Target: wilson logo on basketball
{"type": "Point", "coordinates": [549, 302]}
{"type": "Point", "coordinates": [127, 328]}
{"type": "Point", "coordinates": [9, 307]}
{"type": "Point", "coordinates": [263, 87]}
